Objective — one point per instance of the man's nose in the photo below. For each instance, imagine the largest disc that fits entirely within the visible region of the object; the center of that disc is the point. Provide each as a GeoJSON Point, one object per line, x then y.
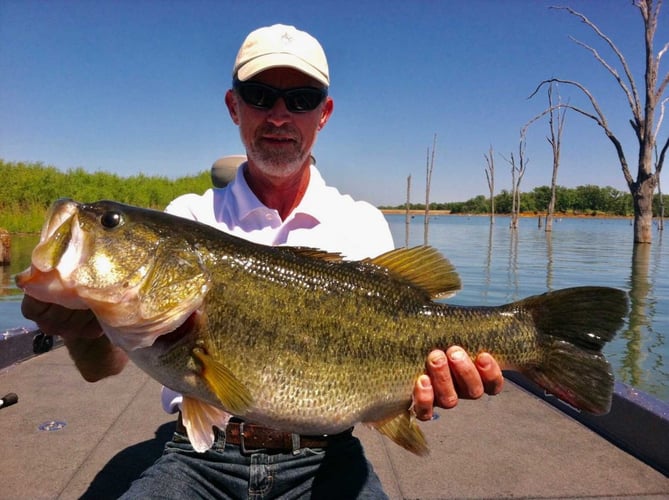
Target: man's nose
{"type": "Point", "coordinates": [279, 114]}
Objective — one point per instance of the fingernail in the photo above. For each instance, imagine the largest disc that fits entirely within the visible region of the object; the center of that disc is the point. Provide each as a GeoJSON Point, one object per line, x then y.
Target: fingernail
{"type": "Point", "coordinates": [437, 359]}
{"type": "Point", "coordinates": [458, 355]}
{"type": "Point", "coordinates": [424, 382]}
{"type": "Point", "coordinates": [483, 361]}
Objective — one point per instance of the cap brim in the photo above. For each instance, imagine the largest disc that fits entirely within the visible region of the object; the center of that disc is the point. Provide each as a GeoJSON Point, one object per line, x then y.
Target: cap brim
{"type": "Point", "coordinates": [280, 60]}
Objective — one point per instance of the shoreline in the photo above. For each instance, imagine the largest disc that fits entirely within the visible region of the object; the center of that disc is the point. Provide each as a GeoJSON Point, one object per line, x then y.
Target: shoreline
{"type": "Point", "coordinates": [401, 211]}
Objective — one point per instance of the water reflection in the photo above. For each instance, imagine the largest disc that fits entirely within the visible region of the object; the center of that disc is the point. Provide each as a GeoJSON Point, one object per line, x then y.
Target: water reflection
{"type": "Point", "coordinates": [639, 289]}
{"type": "Point", "coordinates": [488, 262]}
{"type": "Point", "coordinates": [549, 259]}
{"type": "Point", "coordinates": [513, 262]}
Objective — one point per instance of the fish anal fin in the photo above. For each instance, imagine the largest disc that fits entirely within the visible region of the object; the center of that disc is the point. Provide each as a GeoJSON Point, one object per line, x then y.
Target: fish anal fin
{"type": "Point", "coordinates": [199, 419]}
{"type": "Point", "coordinates": [232, 394]}
{"type": "Point", "coordinates": [403, 430]}
{"type": "Point", "coordinates": [424, 267]}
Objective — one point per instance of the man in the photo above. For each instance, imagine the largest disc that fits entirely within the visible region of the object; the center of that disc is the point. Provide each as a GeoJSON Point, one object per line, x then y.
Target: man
{"type": "Point", "coordinates": [279, 100]}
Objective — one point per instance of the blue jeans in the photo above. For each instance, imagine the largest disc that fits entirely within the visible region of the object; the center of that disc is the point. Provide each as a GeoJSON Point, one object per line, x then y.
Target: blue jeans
{"type": "Point", "coordinates": [338, 471]}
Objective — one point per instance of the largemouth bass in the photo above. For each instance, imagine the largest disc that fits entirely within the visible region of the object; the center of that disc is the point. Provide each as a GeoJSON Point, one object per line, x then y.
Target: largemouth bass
{"type": "Point", "coordinates": [298, 339]}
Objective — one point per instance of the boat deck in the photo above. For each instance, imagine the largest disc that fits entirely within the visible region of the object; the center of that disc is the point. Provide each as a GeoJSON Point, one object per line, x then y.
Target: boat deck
{"type": "Point", "coordinates": [67, 438]}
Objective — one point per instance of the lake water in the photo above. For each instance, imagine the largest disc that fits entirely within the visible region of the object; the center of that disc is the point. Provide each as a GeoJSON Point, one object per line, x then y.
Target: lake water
{"type": "Point", "coordinates": [498, 265]}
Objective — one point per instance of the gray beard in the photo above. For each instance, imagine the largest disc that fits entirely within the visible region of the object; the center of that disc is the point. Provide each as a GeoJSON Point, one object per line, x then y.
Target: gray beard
{"type": "Point", "coordinates": [279, 162]}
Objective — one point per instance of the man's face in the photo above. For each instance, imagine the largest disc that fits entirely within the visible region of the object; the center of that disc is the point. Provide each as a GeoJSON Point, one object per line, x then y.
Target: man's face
{"type": "Point", "coordinates": [277, 140]}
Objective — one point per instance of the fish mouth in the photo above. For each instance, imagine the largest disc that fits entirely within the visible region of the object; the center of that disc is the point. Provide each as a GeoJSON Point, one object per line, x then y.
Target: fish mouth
{"type": "Point", "coordinates": [56, 255]}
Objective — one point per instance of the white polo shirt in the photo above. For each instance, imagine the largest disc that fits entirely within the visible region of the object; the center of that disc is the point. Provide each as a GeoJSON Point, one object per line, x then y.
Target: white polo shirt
{"type": "Point", "coordinates": [324, 219]}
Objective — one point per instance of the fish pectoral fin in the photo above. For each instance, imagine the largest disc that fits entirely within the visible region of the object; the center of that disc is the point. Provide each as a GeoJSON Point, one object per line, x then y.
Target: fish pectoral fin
{"type": "Point", "coordinates": [199, 418]}
{"type": "Point", "coordinates": [403, 430]}
{"type": "Point", "coordinates": [232, 394]}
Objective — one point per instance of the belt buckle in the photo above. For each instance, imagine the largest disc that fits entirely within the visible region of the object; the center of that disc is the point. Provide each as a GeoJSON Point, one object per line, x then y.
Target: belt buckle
{"type": "Point", "coordinates": [242, 443]}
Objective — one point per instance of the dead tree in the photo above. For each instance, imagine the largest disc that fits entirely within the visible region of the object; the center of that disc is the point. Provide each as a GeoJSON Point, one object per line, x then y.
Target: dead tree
{"type": "Point", "coordinates": [556, 118]}
{"type": "Point", "coordinates": [517, 172]}
{"type": "Point", "coordinates": [428, 181]}
{"type": "Point", "coordinates": [490, 177]}
{"type": "Point", "coordinates": [407, 215]}
{"type": "Point", "coordinates": [643, 113]}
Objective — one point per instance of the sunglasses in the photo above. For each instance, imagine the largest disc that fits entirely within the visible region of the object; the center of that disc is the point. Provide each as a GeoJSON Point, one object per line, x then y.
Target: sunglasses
{"type": "Point", "coordinates": [261, 96]}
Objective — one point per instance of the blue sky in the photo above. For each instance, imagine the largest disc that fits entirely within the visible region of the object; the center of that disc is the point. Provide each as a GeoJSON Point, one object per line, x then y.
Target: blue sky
{"type": "Point", "coordinates": [138, 86]}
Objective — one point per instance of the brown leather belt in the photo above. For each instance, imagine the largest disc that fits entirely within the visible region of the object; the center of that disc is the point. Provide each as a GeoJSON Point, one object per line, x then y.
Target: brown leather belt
{"type": "Point", "coordinates": [252, 437]}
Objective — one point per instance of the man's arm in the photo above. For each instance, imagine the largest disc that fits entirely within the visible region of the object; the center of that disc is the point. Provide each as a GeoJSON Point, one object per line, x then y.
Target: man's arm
{"type": "Point", "coordinates": [452, 375]}
{"type": "Point", "coordinates": [93, 354]}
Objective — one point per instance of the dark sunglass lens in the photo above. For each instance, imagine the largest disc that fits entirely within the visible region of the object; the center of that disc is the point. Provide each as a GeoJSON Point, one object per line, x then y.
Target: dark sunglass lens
{"type": "Point", "coordinates": [258, 95]}
{"type": "Point", "coordinates": [303, 99]}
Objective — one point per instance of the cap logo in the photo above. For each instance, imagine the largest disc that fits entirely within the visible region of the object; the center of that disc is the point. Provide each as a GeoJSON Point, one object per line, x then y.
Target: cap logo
{"type": "Point", "coordinates": [286, 38]}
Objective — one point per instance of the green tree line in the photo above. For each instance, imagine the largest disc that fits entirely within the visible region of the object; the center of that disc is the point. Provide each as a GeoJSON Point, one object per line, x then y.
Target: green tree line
{"type": "Point", "coordinates": [28, 189]}
{"type": "Point", "coordinates": [581, 200]}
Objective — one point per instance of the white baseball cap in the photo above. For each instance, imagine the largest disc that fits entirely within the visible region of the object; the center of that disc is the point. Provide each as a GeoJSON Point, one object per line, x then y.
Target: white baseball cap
{"type": "Point", "coordinates": [281, 46]}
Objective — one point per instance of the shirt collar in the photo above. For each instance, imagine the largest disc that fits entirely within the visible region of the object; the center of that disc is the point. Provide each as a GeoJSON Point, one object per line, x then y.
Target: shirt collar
{"type": "Point", "coordinates": [246, 200]}
{"type": "Point", "coordinates": [248, 204]}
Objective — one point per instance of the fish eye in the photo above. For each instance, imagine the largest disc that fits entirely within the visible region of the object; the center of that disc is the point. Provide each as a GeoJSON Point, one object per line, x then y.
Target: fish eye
{"type": "Point", "coordinates": [111, 219]}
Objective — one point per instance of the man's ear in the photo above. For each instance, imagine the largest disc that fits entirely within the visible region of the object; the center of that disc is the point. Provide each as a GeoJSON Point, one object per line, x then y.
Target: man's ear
{"type": "Point", "coordinates": [328, 107]}
{"type": "Point", "coordinates": [231, 103]}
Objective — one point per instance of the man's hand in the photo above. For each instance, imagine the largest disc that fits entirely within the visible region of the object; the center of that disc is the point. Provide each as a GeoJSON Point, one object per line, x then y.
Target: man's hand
{"type": "Point", "coordinates": [453, 375]}
{"type": "Point", "coordinates": [53, 319]}
{"type": "Point", "coordinates": [90, 349]}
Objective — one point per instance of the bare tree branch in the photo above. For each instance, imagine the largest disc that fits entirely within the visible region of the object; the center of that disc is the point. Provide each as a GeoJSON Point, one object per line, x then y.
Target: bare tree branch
{"type": "Point", "coordinates": [662, 51]}
{"type": "Point", "coordinates": [663, 85]}
{"type": "Point", "coordinates": [632, 98]}
{"type": "Point", "coordinates": [490, 177]}
{"type": "Point", "coordinates": [660, 161]}
{"type": "Point", "coordinates": [598, 118]}
{"type": "Point", "coordinates": [633, 94]}
{"type": "Point", "coordinates": [660, 119]}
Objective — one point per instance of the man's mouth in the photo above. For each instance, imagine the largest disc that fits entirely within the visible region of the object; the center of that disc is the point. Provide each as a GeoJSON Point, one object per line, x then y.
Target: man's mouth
{"type": "Point", "coordinates": [278, 139]}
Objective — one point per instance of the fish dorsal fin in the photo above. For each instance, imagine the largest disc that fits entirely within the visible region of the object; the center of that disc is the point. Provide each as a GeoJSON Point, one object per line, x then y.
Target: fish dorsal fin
{"type": "Point", "coordinates": [403, 430]}
{"type": "Point", "coordinates": [232, 394]}
{"type": "Point", "coordinates": [315, 253]}
{"type": "Point", "coordinates": [199, 419]}
{"type": "Point", "coordinates": [424, 267]}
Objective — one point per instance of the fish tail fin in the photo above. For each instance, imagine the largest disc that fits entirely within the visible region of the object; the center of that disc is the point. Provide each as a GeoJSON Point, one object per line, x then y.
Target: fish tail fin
{"type": "Point", "coordinates": [573, 326]}
{"type": "Point", "coordinates": [403, 430]}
